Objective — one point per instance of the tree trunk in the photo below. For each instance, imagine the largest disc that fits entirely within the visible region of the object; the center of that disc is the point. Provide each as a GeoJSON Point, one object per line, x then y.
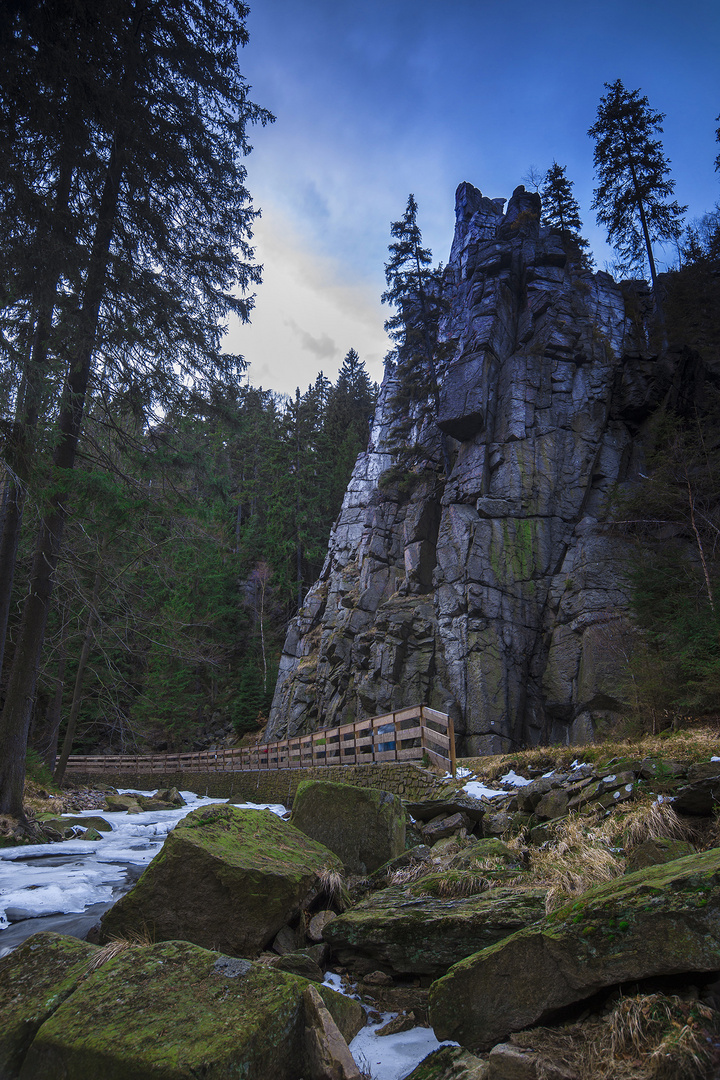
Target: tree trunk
{"type": "Point", "coordinates": [54, 714]}
{"type": "Point", "coordinates": [88, 639]}
{"type": "Point", "coordinates": [22, 683]}
{"type": "Point", "coordinates": [19, 449]}
{"type": "Point", "coordinates": [646, 235]}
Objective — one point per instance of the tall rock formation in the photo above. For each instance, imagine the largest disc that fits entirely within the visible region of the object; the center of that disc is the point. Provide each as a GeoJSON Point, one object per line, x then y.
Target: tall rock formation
{"type": "Point", "coordinates": [496, 593]}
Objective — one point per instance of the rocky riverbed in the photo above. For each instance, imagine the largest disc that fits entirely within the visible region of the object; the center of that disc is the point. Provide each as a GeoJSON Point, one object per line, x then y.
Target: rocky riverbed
{"type": "Point", "coordinates": [521, 918]}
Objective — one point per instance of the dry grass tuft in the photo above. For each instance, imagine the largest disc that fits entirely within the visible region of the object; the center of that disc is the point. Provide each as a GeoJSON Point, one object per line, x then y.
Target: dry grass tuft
{"type": "Point", "coordinates": [663, 1032]}
{"type": "Point", "coordinates": [331, 883]}
{"type": "Point", "coordinates": [657, 821]}
{"type": "Point", "coordinates": [136, 940]}
{"type": "Point", "coordinates": [454, 888]}
{"type": "Point", "coordinates": [712, 834]}
{"type": "Point", "coordinates": [577, 859]}
{"type": "Point", "coordinates": [647, 1037]}
{"type": "Point", "coordinates": [409, 873]}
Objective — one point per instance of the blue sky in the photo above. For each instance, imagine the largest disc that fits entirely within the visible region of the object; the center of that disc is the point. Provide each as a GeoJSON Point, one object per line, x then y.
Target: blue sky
{"type": "Point", "coordinates": [375, 100]}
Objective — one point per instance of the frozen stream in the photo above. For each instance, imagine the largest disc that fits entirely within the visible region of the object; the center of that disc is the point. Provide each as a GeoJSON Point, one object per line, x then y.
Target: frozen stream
{"type": "Point", "coordinates": [66, 887]}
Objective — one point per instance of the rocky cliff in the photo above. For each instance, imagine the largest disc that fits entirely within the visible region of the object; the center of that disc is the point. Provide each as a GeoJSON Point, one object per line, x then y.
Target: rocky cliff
{"type": "Point", "coordinates": [495, 593]}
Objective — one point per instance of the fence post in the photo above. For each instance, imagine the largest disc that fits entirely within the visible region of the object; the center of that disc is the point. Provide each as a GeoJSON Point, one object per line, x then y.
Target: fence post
{"type": "Point", "coordinates": [451, 735]}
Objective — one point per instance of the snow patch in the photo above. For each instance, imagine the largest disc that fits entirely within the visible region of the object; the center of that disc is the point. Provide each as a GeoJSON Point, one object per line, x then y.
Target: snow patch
{"type": "Point", "coordinates": [476, 790]}
{"type": "Point", "coordinates": [514, 779]}
{"type": "Point", "coordinates": [392, 1057]}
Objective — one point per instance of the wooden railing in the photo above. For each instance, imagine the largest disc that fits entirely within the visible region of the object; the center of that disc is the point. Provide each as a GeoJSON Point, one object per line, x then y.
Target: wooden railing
{"type": "Point", "coordinates": [414, 734]}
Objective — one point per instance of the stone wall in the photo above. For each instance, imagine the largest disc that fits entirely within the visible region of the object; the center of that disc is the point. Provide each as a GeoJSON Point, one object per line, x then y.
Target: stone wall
{"type": "Point", "coordinates": [279, 786]}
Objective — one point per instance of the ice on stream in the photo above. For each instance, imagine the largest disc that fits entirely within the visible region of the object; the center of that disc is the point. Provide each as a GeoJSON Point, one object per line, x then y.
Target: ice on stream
{"type": "Point", "coordinates": [84, 877]}
{"type": "Point", "coordinates": [392, 1057]}
{"type": "Point", "coordinates": [386, 1057]}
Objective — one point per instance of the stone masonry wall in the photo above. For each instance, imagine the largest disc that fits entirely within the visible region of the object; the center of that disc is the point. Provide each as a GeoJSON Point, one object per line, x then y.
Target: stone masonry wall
{"type": "Point", "coordinates": [411, 782]}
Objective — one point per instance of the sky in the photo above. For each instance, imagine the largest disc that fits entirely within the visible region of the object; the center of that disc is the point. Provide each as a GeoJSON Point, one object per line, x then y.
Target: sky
{"type": "Point", "coordinates": [376, 99]}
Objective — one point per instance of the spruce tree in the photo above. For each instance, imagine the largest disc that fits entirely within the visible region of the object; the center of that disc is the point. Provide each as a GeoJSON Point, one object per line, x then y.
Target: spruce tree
{"type": "Point", "coordinates": [163, 243]}
{"type": "Point", "coordinates": [633, 198]}
{"type": "Point", "coordinates": [560, 209]}
{"type": "Point", "coordinates": [415, 291]}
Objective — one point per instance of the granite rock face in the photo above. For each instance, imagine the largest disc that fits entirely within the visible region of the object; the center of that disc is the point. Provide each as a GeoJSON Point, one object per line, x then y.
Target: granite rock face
{"type": "Point", "coordinates": [495, 593]}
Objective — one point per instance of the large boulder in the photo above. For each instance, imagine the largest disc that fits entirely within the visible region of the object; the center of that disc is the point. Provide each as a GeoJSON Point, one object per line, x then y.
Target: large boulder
{"type": "Point", "coordinates": [174, 1010]}
{"type": "Point", "coordinates": [425, 927]}
{"type": "Point", "coordinates": [34, 980]}
{"type": "Point", "coordinates": [227, 879]}
{"type": "Point", "coordinates": [701, 795]}
{"type": "Point", "coordinates": [363, 826]}
{"type": "Point", "coordinates": [657, 921]}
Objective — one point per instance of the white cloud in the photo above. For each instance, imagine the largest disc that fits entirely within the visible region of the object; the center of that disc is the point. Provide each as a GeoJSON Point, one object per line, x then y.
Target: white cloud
{"type": "Point", "coordinates": [309, 310]}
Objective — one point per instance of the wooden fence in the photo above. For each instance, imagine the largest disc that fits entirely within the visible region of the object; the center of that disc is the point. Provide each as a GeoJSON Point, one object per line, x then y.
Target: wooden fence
{"type": "Point", "coordinates": [414, 734]}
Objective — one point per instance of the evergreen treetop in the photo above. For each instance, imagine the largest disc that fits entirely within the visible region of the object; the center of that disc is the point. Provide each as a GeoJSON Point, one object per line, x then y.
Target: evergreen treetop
{"type": "Point", "coordinates": [633, 198]}
{"type": "Point", "coordinates": [560, 209]}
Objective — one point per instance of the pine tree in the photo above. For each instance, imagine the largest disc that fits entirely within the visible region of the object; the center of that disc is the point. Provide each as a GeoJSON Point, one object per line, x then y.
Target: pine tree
{"type": "Point", "coordinates": [166, 223]}
{"type": "Point", "coordinates": [633, 197]}
{"type": "Point", "coordinates": [717, 138]}
{"type": "Point", "coordinates": [415, 291]}
{"type": "Point", "coordinates": [560, 210]}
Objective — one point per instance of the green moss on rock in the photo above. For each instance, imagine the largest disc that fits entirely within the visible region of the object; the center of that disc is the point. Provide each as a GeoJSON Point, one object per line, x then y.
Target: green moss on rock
{"type": "Point", "coordinates": [225, 879]}
{"type": "Point", "coordinates": [365, 827]}
{"type": "Point", "coordinates": [175, 1011]}
{"type": "Point", "coordinates": [61, 823]}
{"type": "Point", "coordinates": [660, 920]}
{"type": "Point", "coordinates": [413, 930]}
{"type": "Point", "coordinates": [34, 981]}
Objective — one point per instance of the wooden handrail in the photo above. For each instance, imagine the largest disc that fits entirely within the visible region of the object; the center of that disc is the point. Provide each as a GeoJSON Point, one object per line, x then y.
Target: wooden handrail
{"type": "Point", "coordinates": [410, 734]}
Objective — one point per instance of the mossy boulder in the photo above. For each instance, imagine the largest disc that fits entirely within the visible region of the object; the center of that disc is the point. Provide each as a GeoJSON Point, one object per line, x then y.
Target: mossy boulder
{"type": "Point", "coordinates": [34, 980]}
{"type": "Point", "coordinates": [225, 878]}
{"type": "Point", "coordinates": [123, 804]}
{"type": "Point", "coordinates": [425, 927]}
{"type": "Point", "coordinates": [365, 827]}
{"type": "Point", "coordinates": [658, 921]}
{"type": "Point", "coordinates": [62, 823]}
{"type": "Point", "coordinates": [165, 799]}
{"type": "Point", "coordinates": [654, 851]}
{"type": "Point", "coordinates": [451, 1063]}
{"type": "Point", "coordinates": [174, 1010]}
